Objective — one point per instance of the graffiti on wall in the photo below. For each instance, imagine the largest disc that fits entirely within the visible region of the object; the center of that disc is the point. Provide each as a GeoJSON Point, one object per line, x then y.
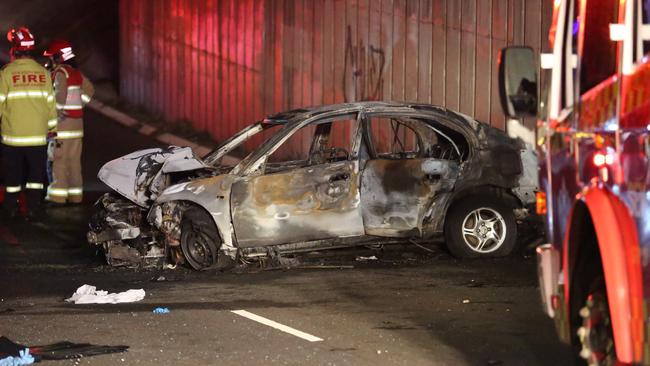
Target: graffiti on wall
{"type": "Point", "coordinates": [363, 77]}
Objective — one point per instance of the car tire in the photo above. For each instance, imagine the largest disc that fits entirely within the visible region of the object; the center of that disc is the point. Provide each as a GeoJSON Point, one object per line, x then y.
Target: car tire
{"type": "Point", "coordinates": [200, 241]}
{"type": "Point", "coordinates": [480, 227]}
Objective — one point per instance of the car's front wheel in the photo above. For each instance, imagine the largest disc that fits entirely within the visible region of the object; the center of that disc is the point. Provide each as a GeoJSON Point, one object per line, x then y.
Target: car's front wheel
{"type": "Point", "coordinates": [480, 226]}
{"type": "Point", "coordinates": [200, 240]}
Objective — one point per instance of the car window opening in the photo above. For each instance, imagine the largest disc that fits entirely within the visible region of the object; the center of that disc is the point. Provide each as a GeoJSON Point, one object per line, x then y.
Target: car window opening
{"type": "Point", "coordinates": [322, 142]}
{"type": "Point", "coordinates": [394, 138]}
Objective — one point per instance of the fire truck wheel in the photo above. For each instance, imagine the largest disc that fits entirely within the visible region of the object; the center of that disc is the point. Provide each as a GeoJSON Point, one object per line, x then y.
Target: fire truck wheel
{"type": "Point", "coordinates": [479, 226]}
{"type": "Point", "coordinates": [596, 336]}
{"type": "Point", "coordinates": [200, 240]}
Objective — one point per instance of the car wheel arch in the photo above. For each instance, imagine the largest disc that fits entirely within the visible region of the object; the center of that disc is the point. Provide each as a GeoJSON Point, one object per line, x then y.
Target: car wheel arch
{"type": "Point", "coordinates": [481, 190]}
{"type": "Point", "coordinates": [441, 207]}
{"type": "Point", "coordinates": [188, 203]}
{"type": "Point", "coordinates": [204, 208]}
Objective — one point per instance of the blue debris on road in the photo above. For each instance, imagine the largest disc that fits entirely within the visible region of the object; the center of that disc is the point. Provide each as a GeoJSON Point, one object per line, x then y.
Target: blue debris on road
{"type": "Point", "coordinates": [161, 311]}
{"type": "Point", "coordinates": [24, 358]}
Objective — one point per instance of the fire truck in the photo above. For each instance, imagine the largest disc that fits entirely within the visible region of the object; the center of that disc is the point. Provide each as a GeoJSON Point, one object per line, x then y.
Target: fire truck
{"type": "Point", "coordinates": [591, 100]}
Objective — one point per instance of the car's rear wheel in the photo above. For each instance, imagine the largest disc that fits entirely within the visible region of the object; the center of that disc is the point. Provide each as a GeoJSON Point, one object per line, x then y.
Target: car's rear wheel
{"type": "Point", "coordinates": [200, 240]}
{"type": "Point", "coordinates": [480, 226]}
{"type": "Point", "coordinates": [596, 336]}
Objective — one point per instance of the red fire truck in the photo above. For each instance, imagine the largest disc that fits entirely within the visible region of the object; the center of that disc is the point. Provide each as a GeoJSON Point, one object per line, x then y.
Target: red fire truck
{"type": "Point", "coordinates": [593, 136]}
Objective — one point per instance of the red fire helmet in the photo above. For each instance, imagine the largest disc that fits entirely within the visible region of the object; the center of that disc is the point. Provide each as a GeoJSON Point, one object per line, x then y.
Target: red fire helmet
{"type": "Point", "coordinates": [21, 39]}
{"type": "Point", "coordinates": [59, 49]}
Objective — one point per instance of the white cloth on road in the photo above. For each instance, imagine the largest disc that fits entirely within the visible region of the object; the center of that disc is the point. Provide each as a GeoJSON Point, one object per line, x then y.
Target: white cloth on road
{"type": "Point", "coordinates": [88, 294]}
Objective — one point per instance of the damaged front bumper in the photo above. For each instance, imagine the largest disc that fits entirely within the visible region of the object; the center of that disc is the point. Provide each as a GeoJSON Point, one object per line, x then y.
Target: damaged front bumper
{"type": "Point", "coordinates": [120, 228]}
{"type": "Point", "coordinates": [112, 234]}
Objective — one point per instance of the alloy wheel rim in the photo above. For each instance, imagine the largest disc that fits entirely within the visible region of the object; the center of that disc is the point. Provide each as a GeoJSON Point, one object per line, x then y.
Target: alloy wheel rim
{"type": "Point", "coordinates": [484, 230]}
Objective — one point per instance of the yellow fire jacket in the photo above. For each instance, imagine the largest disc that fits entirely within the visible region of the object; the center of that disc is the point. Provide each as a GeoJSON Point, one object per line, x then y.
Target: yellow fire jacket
{"type": "Point", "coordinates": [27, 105]}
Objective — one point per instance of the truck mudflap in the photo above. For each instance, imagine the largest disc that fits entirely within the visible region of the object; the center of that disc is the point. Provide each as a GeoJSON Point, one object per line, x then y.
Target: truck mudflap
{"type": "Point", "coordinates": [549, 276]}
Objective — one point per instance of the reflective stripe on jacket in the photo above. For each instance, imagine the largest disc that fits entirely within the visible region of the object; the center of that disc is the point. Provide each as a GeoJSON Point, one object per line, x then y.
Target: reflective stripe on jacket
{"type": "Point", "coordinates": [72, 91]}
{"type": "Point", "coordinates": [27, 105]}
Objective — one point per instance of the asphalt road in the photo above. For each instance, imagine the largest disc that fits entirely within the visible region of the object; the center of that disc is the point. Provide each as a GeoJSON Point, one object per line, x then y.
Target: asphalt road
{"type": "Point", "coordinates": [408, 307]}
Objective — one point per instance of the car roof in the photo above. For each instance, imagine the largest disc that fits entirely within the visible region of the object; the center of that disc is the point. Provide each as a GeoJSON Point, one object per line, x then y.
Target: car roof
{"type": "Point", "coordinates": [433, 110]}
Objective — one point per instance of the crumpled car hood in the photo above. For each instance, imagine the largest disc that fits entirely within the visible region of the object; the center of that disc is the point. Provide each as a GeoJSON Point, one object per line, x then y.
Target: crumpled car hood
{"type": "Point", "coordinates": [139, 176]}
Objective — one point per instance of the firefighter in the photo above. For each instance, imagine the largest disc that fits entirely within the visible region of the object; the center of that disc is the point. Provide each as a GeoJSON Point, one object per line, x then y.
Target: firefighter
{"type": "Point", "coordinates": [72, 91]}
{"type": "Point", "coordinates": [28, 113]}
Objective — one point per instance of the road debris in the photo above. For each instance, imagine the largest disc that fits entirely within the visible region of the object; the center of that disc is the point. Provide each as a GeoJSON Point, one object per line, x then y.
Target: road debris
{"type": "Point", "coordinates": [88, 294]}
{"type": "Point", "coordinates": [421, 246]}
{"type": "Point", "coordinates": [342, 266]}
{"type": "Point", "coordinates": [161, 311]}
{"type": "Point", "coordinates": [466, 301]}
{"type": "Point", "coordinates": [23, 358]}
{"type": "Point", "coordinates": [366, 259]}
{"type": "Point", "coordinates": [324, 266]}
{"type": "Point", "coordinates": [54, 351]}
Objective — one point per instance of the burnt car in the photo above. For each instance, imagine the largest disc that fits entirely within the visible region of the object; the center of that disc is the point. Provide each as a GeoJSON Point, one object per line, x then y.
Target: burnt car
{"type": "Point", "coordinates": [324, 177]}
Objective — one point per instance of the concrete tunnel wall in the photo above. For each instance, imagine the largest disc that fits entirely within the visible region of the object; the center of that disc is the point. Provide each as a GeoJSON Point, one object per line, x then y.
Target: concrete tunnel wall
{"type": "Point", "coordinates": [221, 64]}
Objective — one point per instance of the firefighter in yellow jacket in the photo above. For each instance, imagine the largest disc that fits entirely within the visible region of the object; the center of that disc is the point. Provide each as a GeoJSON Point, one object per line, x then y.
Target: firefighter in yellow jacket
{"type": "Point", "coordinates": [28, 114]}
{"type": "Point", "coordinates": [72, 91]}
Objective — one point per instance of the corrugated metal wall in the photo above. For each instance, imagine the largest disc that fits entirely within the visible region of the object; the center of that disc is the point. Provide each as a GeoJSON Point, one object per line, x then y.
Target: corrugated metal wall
{"type": "Point", "coordinates": [224, 63]}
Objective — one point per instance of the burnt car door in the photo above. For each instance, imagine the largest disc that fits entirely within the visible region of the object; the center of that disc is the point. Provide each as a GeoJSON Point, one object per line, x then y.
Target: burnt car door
{"type": "Point", "coordinates": [307, 189]}
{"type": "Point", "coordinates": [410, 163]}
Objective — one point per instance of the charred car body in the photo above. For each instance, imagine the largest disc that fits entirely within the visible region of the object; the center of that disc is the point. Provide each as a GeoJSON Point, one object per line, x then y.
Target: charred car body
{"type": "Point", "coordinates": [324, 177]}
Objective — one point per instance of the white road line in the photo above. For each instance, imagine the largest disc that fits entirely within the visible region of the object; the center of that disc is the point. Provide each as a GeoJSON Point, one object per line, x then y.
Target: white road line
{"type": "Point", "coordinates": [276, 325]}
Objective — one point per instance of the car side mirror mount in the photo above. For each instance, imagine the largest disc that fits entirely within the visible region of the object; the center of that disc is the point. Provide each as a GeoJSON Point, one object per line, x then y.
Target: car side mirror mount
{"type": "Point", "coordinates": [518, 82]}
